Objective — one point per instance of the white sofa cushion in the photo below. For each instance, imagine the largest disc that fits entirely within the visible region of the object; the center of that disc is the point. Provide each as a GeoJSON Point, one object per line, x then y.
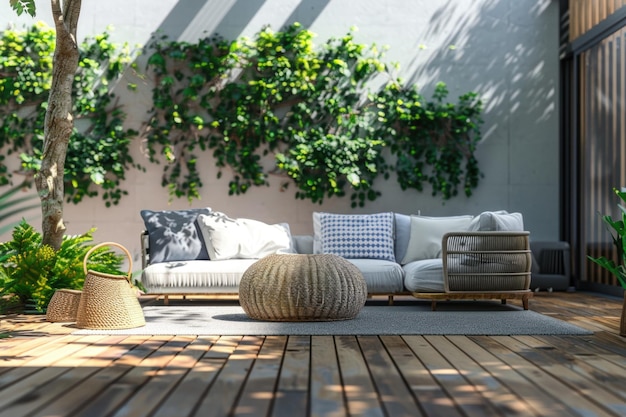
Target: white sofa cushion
{"type": "Point", "coordinates": [355, 236]}
{"type": "Point", "coordinates": [424, 276]}
{"type": "Point", "coordinates": [228, 238]}
{"type": "Point", "coordinates": [426, 235]}
{"type": "Point", "coordinates": [195, 277]}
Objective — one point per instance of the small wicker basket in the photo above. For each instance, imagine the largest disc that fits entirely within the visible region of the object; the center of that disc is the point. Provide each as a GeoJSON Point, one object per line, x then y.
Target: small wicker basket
{"type": "Point", "coordinates": [63, 306]}
{"type": "Point", "coordinates": [109, 301]}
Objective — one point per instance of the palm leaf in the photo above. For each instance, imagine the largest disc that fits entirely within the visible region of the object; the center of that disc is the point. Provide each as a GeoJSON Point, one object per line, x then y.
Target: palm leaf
{"type": "Point", "coordinates": [10, 206]}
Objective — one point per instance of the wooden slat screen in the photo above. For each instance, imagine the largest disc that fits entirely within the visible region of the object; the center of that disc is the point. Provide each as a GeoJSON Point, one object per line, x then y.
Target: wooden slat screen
{"type": "Point", "coordinates": [585, 14]}
{"type": "Point", "coordinates": [603, 140]}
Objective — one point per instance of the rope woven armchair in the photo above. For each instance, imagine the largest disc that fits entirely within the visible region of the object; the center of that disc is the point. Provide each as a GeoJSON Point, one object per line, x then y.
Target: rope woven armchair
{"type": "Point", "coordinates": [484, 265]}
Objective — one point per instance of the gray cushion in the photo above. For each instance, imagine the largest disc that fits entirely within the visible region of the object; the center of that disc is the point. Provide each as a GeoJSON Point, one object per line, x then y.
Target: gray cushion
{"type": "Point", "coordinates": [381, 277]}
{"type": "Point", "coordinates": [402, 233]}
{"type": "Point", "coordinates": [424, 276]}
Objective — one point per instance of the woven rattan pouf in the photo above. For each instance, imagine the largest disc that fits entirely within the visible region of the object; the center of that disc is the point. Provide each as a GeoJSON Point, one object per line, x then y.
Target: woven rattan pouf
{"type": "Point", "coordinates": [302, 288]}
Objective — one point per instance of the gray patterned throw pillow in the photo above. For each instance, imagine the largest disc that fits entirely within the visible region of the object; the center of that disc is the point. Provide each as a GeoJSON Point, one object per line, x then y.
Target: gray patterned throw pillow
{"type": "Point", "coordinates": [173, 235]}
{"type": "Point", "coordinates": [358, 236]}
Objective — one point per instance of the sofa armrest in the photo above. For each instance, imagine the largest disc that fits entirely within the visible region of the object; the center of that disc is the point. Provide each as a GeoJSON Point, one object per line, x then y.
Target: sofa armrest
{"type": "Point", "coordinates": [145, 248]}
{"type": "Point", "coordinates": [486, 261]}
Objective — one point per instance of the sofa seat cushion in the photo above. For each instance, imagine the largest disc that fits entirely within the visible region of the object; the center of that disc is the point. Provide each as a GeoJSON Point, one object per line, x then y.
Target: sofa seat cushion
{"type": "Point", "coordinates": [195, 277]}
{"type": "Point", "coordinates": [424, 276]}
{"type": "Point", "coordinates": [381, 277]}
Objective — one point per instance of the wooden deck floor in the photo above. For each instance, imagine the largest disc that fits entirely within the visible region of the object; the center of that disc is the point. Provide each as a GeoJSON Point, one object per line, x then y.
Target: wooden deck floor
{"type": "Point", "coordinates": [44, 371]}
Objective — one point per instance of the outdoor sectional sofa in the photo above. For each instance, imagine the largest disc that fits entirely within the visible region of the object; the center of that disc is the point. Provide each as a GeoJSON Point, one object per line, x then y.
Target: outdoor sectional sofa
{"type": "Point", "coordinates": [200, 251]}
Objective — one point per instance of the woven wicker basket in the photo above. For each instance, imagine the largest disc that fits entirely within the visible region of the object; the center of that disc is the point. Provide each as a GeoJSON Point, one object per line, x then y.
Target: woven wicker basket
{"type": "Point", "coordinates": [63, 306]}
{"type": "Point", "coordinates": [108, 301]}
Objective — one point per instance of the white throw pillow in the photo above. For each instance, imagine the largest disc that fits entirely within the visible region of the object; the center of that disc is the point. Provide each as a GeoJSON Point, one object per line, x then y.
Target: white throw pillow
{"type": "Point", "coordinates": [228, 238]}
{"type": "Point", "coordinates": [493, 221]}
{"type": "Point", "coordinates": [427, 232]}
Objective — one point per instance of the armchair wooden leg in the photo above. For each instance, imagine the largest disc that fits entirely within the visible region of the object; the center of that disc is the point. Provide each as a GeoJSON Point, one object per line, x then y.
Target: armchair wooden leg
{"type": "Point", "coordinates": [390, 298]}
{"type": "Point", "coordinates": [525, 302]}
{"type": "Point", "coordinates": [433, 305]}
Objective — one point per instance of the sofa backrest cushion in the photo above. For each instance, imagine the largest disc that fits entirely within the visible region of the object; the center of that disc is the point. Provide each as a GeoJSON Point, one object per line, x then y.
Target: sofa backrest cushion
{"type": "Point", "coordinates": [355, 236]}
{"type": "Point", "coordinates": [173, 235]}
{"type": "Point", "coordinates": [302, 243]}
{"type": "Point", "coordinates": [402, 234]}
{"type": "Point", "coordinates": [494, 221]}
{"type": "Point", "coordinates": [426, 235]}
{"type": "Point", "coordinates": [227, 238]}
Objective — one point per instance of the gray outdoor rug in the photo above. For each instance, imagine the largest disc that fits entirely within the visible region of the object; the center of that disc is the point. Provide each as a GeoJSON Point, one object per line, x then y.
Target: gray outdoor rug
{"type": "Point", "coordinates": [470, 318]}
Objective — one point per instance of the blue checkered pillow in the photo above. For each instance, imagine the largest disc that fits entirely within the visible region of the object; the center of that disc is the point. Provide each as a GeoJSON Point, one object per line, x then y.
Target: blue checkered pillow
{"type": "Point", "coordinates": [358, 236]}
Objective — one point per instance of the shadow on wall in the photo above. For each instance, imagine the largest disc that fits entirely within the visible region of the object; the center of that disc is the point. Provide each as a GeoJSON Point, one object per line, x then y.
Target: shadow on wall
{"type": "Point", "coordinates": [194, 19]}
{"type": "Point", "coordinates": [509, 76]}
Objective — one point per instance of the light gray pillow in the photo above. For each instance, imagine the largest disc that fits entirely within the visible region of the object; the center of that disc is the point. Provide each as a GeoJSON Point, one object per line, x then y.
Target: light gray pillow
{"type": "Point", "coordinates": [427, 232]}
{"type": "Point", "coordinates": [402, 223]}
{"type": "Point", "coordinates": [493, 221]}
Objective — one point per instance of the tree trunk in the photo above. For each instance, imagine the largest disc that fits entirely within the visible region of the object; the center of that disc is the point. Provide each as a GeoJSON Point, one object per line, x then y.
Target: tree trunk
{"type": "Point", "coordinates": [58, 123]}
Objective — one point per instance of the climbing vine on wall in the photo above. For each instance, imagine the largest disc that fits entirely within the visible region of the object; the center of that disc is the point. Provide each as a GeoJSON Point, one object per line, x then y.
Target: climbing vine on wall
{"type": "Point", "coordinates": [433, 141]}
{"type": "Point", "coordinates": [275, 104]}
{"type": "Point", "coordinates": [312, 110]}
{"type": "Point", "coordinates": [99, 153]}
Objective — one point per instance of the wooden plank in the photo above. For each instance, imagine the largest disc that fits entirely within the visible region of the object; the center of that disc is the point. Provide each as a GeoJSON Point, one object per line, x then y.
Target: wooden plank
{"type": "Point", "coordinates": [71, 373]}
{"type": "Point", "coordinates": [127, 374]}
{"type": "Point", "coordinates": [453, 382]}
{"type": "Point", "coordinates": [18, 385]}
{"type": "Point", "coordinates": [395, 396]}
{"type": "Point", "coordinates": [432, 398]}
{"type": "Point", "coordinates": [483, 382]}
{"type": "Point", "coordinates": [182, 355]}
{"type": "Point", "coordinates": [580, 373]}
{"type": "Point", "coordinates": [225, 389]}
{"type": "Point", "coordinates": [361, 396]}
{"type": "Point", "coordinates": [187, 394]}
{"type": "Point", "coordinates": [15, 346]}
{"type": "Point", "coordinates": [258, 392]}
{"type": "Point", "coordinates": [534, 397]}
{"type": "Point", "coordinates": [577, 404]}
{"type": "Point", "coordinates": [327, 398]}
{"type": "Point", "coordinates": [291, 398]}
{"type": "Point", "coordinates": [80, 391]}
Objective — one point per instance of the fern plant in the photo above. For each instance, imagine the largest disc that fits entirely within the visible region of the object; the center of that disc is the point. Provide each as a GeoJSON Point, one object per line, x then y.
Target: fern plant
{"type": "Point", "coordinates": [33, 271]}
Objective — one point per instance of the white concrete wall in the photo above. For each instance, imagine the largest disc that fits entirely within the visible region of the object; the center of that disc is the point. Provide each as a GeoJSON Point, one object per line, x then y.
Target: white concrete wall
{"type": "Point", "coordinates": [505, 50]}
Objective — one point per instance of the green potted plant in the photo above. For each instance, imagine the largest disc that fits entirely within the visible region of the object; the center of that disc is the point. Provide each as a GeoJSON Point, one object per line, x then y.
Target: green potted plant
{"type": "Point", "coordinates": [618, 234]}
